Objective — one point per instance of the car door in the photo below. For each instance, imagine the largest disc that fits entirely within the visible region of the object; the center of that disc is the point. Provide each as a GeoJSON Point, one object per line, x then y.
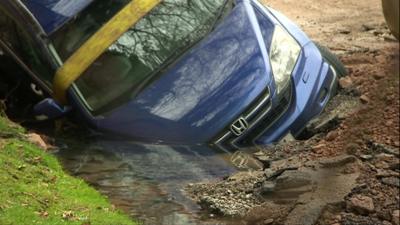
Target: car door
{"type": "Point", "coordinates": [15, 41]}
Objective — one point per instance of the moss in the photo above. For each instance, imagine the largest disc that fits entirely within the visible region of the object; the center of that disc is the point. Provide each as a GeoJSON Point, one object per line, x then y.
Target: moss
{"type": "Point", "coordinates": [34, 189]}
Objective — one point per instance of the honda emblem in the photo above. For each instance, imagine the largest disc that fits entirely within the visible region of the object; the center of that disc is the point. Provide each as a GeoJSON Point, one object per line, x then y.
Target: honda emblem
{"type": "Point", "coordinates": [239, 126]}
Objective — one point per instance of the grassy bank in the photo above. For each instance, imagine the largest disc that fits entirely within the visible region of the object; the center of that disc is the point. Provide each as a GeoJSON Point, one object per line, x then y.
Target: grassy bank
{"type": "Point", "coordinates": [35, 190]}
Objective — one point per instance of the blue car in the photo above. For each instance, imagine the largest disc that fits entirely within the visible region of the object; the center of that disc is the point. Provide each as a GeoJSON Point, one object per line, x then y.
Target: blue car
{"type": "Point", "coordinates": [223, 72]}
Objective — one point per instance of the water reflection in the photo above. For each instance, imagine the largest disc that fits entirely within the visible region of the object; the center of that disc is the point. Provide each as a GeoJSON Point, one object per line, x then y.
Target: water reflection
{"type": "Point", "coordinates": [145, 180]}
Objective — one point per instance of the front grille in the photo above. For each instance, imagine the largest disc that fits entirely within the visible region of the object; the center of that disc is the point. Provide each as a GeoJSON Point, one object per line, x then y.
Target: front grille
{"type": "Point", "coordinates": [260, 116]}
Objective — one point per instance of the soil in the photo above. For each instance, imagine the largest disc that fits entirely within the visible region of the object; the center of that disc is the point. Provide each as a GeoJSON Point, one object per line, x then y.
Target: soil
{"type": "Point", "coordinates": [346, 170]}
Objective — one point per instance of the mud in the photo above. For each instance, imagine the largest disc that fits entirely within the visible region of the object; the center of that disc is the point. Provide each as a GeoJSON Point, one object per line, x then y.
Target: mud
{"type": "Point", "coordinates": [294, 189]}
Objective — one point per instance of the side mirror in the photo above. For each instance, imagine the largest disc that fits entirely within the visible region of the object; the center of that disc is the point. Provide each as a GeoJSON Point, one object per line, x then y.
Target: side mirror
{"type": "Point", "coordinates": [49, 109]}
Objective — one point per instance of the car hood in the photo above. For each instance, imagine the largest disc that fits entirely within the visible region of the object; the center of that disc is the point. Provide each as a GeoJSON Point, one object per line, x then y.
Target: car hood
{"type": "Point", "coordinates": [207, 89]}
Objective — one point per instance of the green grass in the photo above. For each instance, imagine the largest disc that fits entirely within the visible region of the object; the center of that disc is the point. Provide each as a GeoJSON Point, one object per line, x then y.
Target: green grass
{"type": "Point", "coordinates": [34, 189]}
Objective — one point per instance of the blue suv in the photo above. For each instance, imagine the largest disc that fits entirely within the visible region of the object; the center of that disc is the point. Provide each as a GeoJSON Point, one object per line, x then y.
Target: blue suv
{"type": "Point", "coordinates": [223, 72]}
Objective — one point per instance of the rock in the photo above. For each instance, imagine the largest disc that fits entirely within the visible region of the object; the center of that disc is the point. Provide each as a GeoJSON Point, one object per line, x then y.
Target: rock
{"type": "Point", "coordinates": [395, 166]}
{"type": "Point", "coordinates": [360, 188]}
{"type": "Point", "coordinates": [317, 148]}
{"type": "Point", "coordinates": [351, 219]}
{"type": "Point", "coordinates": [386, 223]}
{"type": "Point", "coordinates": [344, 31]}
{"type": "Point", "coordinates": [268, 187]}
{"type": "Point", "coordinates": [286, 164]}
{"type": "Point", "coordinates": [37, 140]}
{"type": "Point", "coordinates": [266, 212]}
{"type": "Point", "coordinates": [386, 173]}
{"type": "Point", "coordinates": [331, 136]}
{"type": "Point", "coordinates": [264, 159]}
{"type": "Point", "coordinates": [384, 148]}
{"type": "Point", "coordinates": [268, 221]}
{"type": "Point", "coordinates": [381, 165]}
{"type": "Point", "coordinates": [337, 161]}
{"type": "Point", "coordinates": [366, 157]}
{"type": "Point", "coordinates": [391, 181]}
{"type": "Point", "coordinates": [269, 173]}
{"type": "Point", "coordinates": [354, 92]}
{"type": "Point", "coordinates": [242, 176]}
{"type": "Point", "coordinates": [323, 123]}
{"type": "Point", "coordinates": [378, 76]}
{"type": "Point", "coordinates": [366, 28]}
{"type": "Point", "coordinates": [389, 123]}
{"type": "Point", "coordinates": [293, 179]}
{"type": "Point", "coordinates": [291, 194]}
{"type": "Point", "coordinates": [346, 82]}
{"type": "Point", "coordinates": [388, 37]}
{"type": "Point", "coordinates": [352, 148]}
{"type": "Point", "coordinates": [389, 150]}
{"type": "Point", "coordinates": [365, 99]}
{"type": "Point", "coordinates": [307, 214]}
{"type": "Point", "coordinates": [396, 217]}
{"type": "Point", "coordinates": [361, 204]}
{"type": "Point", "coordinates": [385, 157]}
{"type": "Point", "coordinates": [377, 32]}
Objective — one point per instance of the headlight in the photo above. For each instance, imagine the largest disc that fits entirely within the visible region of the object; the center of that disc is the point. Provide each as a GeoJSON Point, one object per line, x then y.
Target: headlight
{"type": "Point", "coordinates": [283, 54]}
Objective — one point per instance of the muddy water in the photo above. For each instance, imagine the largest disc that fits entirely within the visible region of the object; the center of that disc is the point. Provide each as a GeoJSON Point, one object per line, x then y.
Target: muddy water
{"type": "Point", "coordinates": [145, 180]}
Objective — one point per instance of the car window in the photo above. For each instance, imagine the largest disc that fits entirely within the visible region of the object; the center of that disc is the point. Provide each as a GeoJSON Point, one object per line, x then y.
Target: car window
{"type": "Point", "coordinates": [72, 35]}
{"type": "Point", "coordinates": [8, 31]}
{"type": "Point", "coordinates": [138, 55]}
{"type": "Point", "coordinates": [23, 46]}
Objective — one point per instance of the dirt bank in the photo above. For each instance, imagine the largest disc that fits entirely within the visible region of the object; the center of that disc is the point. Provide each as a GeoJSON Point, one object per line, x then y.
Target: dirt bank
{"type": "Point", "coordinates": [348, 172]}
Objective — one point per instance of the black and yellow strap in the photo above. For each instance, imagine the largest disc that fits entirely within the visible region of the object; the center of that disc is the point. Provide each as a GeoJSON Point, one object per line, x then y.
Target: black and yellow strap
{"type": "Point", "coordinates": [79, 62]}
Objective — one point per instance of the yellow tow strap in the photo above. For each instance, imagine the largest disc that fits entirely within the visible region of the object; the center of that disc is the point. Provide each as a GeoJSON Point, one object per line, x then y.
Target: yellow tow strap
{"type": "Point", "coordinates": [79, 62]}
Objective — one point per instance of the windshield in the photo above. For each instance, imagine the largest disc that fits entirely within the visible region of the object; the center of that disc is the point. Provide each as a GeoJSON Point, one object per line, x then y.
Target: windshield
{"type": "Point", "coordinates": [153, 43]}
